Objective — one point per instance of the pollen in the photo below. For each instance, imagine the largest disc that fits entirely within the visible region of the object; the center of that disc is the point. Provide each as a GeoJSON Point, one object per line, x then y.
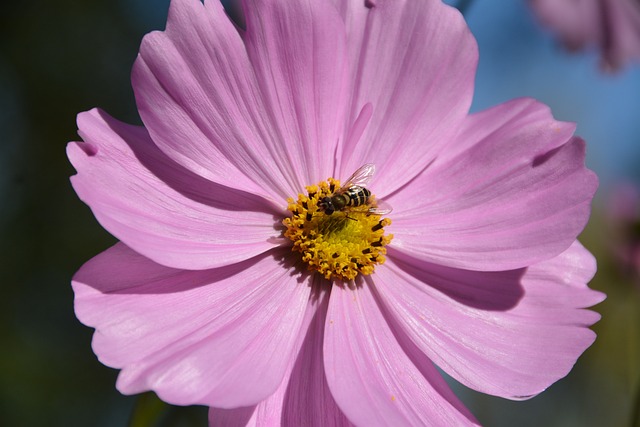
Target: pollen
{"type": "Point", "coordinates": [340, 245]}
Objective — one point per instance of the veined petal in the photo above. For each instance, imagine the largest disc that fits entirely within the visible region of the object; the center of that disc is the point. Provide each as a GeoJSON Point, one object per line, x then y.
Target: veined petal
{"type": "Point", "coordinates": [513, 192]}
{"type": "Point", "coordinates": [511, 333]}
{"type": "Point", "coordinates": [414, 61]}
{"type": "Point", "coordinates": [198, 96]}
{"type": "Point", "coordinates": [220, 337]}
{"type": "Point", "coordinates": [303, 398]}
{"type": "Point", "coordinates": [298, 51]}
{"type": "Point", "coordinates": [160, 209]}
{"type": "Point", "coordinates": [378, 377]}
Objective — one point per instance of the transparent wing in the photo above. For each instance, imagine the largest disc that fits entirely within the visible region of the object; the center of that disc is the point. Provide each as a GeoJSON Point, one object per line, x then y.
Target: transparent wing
{"type": "Point", "coordinates": [380, 207]}
{"type": "Point", "coordinates": [361, 177]}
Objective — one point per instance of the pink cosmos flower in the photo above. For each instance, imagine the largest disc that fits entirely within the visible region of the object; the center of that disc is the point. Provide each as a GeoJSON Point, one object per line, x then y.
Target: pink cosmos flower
{"type": "Point", "coordinates": [233, 287]}
{"type": "Point", "coordinates": [612, 26]}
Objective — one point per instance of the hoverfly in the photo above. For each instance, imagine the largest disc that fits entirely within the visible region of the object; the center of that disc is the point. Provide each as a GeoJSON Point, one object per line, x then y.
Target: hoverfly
{"type": "Point", "coordinates": [354, 193]}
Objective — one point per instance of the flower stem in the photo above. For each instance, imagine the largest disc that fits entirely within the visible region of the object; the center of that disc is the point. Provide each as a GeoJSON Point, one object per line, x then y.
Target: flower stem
{"type": "Point", "coordinates": [635, 411]}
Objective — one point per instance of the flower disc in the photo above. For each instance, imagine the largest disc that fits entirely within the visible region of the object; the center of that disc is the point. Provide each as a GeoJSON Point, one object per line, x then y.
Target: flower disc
{"type": "Point", "coordinates": [339, 245]}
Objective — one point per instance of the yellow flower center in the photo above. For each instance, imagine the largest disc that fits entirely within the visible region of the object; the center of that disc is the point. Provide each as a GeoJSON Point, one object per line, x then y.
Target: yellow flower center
{"type": "Point", "coordinates": [340, 245]}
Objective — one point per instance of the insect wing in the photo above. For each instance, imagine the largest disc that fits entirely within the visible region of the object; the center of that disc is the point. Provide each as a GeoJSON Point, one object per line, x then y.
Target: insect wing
{"type": "Point", "coordinates": [361, 177]}
{"type": "Point", "coordinates": [380, 207]}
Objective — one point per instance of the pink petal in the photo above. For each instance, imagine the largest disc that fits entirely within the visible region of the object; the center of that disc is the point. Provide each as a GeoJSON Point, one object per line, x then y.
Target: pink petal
{"type": "Point", "coordinates": [220, 337]}
{"type": "Point", "coordinates": [208, 108]}
{"type": "Point", "coordinates": [511, 333]}
{"type": "Point", "coordinates": [240, 417]}
{"type": "Point", "coordinates": [157, 207]}
{"type": "Point", "coordinates": [303, 398]}
{"type": "Point", "coordinates": [298, 52]}
{"type": "Point", "coordinates": [378, 377]}
{"type": "Point", "coordinates": [621, 43]}
{"type": "Point", "coordinates": [197, 95]}
{"type": "Point", "coordinates": [415, 62]}
{"type": "Point", "coordinates": [513, 191]}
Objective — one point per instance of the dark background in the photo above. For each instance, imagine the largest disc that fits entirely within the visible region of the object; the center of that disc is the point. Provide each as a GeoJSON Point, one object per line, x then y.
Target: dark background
{"type": "Point", "coordinates": [60, 58]}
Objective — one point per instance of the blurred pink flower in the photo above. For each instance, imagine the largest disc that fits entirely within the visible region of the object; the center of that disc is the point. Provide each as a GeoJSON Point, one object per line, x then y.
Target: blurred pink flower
{"type": "Point", "coordinates": [623, 214]}
{"type": "Point", "coordinates": [612, 26]}
{"type": "Point", "coordinates": [204, 302]}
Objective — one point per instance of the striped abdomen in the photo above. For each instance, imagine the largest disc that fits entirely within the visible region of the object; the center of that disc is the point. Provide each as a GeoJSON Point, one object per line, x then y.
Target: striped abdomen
{"type": "Point", "coordinates": [358, 196]}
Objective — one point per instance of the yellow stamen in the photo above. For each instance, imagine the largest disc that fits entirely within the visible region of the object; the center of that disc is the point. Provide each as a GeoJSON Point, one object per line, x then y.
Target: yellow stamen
{"type": "Point", "coordinates": [338, 246]}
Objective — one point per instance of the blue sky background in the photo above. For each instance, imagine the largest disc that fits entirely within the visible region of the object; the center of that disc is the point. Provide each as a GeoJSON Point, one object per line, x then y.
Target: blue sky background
{"type": "Point", "coordinates": [60, 58]}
